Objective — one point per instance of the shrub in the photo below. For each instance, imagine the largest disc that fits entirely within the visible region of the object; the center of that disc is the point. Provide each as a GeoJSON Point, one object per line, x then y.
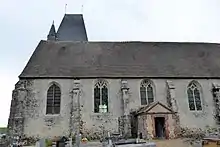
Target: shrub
{"type": "Point", "coordinates": [48, 142]}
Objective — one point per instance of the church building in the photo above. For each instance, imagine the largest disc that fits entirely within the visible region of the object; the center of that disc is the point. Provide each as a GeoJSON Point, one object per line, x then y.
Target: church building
{"type": "Point", "coordinates": [147, 89]}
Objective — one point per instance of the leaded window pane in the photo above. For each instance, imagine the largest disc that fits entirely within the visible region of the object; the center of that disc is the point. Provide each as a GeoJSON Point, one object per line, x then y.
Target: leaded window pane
{"type": "Point", "coordinates": [197, 99]}
{"type": "Point", "coordinates": [143, 95]}
{"type": "Point", "coordinates": [105, 96]}
{"type": "Point", "coordinates": [56, 109]}
{"type": "Point", "coordinates": [96, 99]}
{"type": "Point", "coordinates": [191, 99]}
{"type": "Point", "coordinates": [49, 109]}
{"type": "Point", "coordinates": [150, 94]}
{"type": "Point", "coordinates": [100, 95]}
{"type": "Point", "coordinates": [191, 106]}
{"type": "Point", "coordinates": [53, 100]}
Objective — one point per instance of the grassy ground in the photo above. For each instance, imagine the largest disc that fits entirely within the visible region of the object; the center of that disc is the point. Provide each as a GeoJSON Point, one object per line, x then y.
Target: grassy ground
{"type": "Point", "coordinates": [3, 130]}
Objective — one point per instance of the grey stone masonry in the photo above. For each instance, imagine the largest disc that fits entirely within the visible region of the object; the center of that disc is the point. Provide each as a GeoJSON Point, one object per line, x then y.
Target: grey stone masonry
{"type": "Point", "coordinates": [126, 117]}
{"type": "Point", "coordinates": [172, 103]}
{"type": "Point", "coordinates": [16, 118]}
{"type": "Point", "coordinates": [28, 106]}
{"type": "Point", "coordinates": [171, 96]}
{"type": "Point", "coordinates": [75, 105]}
{"type": "Point", "coordinates": [216, 99]}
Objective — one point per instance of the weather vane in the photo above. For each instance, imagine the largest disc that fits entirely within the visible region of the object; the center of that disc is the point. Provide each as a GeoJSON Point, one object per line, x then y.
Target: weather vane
{"type": "Point", "coordinates": [65, 8]}
{"type": "Point", "coordinates": [82, 8]}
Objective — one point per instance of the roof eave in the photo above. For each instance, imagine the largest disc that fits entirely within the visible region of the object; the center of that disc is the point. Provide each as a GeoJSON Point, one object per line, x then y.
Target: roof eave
{"type": "Point", "coordinates": [21, 76]}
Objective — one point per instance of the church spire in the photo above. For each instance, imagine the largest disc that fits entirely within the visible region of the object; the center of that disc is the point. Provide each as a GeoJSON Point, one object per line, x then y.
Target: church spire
{"type": "Point", "coordinates": [52, 33]}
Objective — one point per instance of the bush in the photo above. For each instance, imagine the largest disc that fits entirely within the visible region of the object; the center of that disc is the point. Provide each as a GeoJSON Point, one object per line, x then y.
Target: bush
{"type": "Point", "coordinates": [194, 133]}
{"type": "Point", "coordinates": [49, 142]}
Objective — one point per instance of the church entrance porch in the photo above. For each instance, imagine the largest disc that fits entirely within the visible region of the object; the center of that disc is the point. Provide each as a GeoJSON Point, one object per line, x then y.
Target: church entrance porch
{"type": "Point", "coordinates": [156, 121]}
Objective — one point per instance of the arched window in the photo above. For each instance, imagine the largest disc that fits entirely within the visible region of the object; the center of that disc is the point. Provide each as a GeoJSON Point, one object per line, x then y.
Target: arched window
{"type": "Point", "coordinates": [100, 96]}
{"type": "Point", "coordinates": [53, 100]}
{"type": "Point", "coordinates": [194, 96]}
{"type": "Point", "coordinates": [146, 92]}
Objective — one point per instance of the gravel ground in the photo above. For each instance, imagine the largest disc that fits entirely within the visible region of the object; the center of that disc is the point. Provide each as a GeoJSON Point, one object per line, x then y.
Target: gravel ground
{"type": "Point", "coordinates": [160, 143]}
{"type": "Point", "coordinates": [175, 143]}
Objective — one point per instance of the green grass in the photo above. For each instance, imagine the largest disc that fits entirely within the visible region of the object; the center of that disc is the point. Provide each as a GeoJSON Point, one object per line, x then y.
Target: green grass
{"type": "Point", "coordinates": [3, 130]}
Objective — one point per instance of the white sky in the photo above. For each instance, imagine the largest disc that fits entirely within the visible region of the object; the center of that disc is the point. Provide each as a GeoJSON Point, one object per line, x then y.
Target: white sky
{"type": "Point", "coordinates": [24, 23]}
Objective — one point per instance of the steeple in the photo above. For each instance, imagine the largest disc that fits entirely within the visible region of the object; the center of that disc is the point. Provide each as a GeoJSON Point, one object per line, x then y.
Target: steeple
{"type": "Point", "coordinates": [52, 33]}
{"type": "Point", "coordinates": [72, 28]}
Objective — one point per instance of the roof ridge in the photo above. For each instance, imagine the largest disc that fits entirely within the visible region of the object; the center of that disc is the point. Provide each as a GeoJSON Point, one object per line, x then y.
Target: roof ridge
{"type": "Point", "coordinates": [147, 42]}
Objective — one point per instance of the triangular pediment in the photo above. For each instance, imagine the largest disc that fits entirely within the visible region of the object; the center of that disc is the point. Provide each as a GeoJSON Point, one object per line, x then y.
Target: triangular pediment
{"type": "Point", "coordinates": [156, 107]}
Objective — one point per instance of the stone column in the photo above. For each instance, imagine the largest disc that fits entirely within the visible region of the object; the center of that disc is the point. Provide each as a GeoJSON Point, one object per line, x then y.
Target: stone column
{"type": "Point", "coordinates": [17, 110]}
{"type": "Point", "coordinates": [126, 117]}
{"type": "Point", "coordinates": [216, 98]}
{"type": "Point", "coordinates": [75, 116]}
{"type": "Point", "coordinates": [145, 132]}
{"type": "Point", "coordinates": [171, 98]}
{"type": "Point", "coordinates": [76, 104]}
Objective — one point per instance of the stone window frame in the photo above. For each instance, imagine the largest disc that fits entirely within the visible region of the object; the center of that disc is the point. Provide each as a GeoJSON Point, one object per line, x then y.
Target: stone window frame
{"type": "Point", "coordinates": [145, 83]}
{"type": "Point", "coordinates": [193, 85]}
{"type": "Point", "coordinates": [100, 83]}
{"type": "Point", "coordinates": [60, 92]}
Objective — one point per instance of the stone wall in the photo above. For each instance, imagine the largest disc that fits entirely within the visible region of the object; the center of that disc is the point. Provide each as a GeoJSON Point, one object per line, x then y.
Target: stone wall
{"type": "Point", "coordinates": [143, 127]}
{"type": "Point", "coordinates": [28, 106]}
{"type": "Point", "coordinates": [17, 109]}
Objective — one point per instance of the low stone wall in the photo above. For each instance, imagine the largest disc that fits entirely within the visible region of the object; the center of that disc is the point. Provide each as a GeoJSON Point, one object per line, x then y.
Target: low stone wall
{"type": "Point", "coordinates": [196, 133]}
{"type": "Point", "coordinates": [191, 133]}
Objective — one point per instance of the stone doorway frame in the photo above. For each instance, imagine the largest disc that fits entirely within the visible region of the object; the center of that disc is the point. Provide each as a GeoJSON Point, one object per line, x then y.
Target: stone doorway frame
{"type": "Point", "coordinates": [165, 116]}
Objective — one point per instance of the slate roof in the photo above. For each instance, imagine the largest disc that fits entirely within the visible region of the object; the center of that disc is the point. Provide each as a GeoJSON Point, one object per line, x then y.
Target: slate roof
{"type": "Point", "coordinates": [52, 33]}
{"type": "Point", "coordinates": [53, 59]}
{"type": "Point", "coordinates": [72, 28]}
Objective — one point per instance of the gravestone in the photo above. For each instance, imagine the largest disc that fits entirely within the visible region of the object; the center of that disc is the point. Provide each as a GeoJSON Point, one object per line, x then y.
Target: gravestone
{"type": "Point", "coordinates": [37, 144]}
{"type": "Point", "coordinates": [42, 143]}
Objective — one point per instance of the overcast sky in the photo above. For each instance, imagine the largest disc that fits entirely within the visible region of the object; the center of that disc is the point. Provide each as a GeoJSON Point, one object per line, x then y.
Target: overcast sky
{"type": "Point", "coordinates": [23, 23]}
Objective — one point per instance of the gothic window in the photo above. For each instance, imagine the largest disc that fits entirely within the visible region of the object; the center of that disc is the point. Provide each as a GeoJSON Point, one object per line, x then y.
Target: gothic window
{"type": "Point", "coordinates": [100, 96]}
{"type": "Point", "coordinates": [146, 92]}
{"type": "Point", "coordinates": [194, 96]}
{"type": "Point", "coordinates": [53, 100]}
